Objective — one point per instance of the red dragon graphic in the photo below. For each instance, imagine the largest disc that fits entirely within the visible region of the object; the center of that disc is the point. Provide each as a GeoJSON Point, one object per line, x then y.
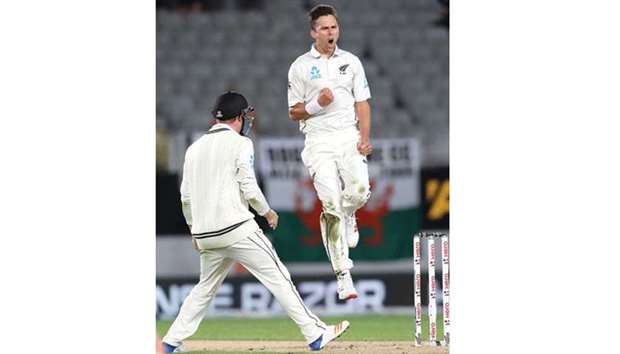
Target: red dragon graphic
{"type": "Point", "coordinates": [367, 218]}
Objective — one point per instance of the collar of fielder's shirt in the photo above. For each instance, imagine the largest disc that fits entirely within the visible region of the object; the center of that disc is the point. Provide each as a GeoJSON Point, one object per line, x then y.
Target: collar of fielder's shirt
{"type": "Point", "coordinates": [315, 53]}
{"type": "Point", "coordinates": [221, 125]}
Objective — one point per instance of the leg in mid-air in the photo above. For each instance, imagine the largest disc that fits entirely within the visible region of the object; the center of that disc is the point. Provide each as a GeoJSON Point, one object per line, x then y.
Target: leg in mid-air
{"type": "Point", "coordinates": [353, 171]}
{"type": "Point", "coordinates": [322, 163]}
{"type": "Point", "coordinates": [258, 256]}
{"type": "Point", "coordinates": [213, 270]}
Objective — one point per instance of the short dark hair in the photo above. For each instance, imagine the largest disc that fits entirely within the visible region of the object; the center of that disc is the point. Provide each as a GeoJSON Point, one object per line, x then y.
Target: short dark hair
{"type": "Point", "coordinates": [321, 10]}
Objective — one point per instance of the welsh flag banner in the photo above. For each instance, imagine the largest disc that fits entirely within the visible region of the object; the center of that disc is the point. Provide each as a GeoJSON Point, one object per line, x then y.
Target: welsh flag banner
{"type": "Point", "coordinates": [386, 223]}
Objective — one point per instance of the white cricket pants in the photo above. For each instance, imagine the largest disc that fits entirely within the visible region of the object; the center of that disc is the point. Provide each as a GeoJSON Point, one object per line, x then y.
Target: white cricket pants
{"type": "Point", "coordinates": [259, 257]}
{"type": "Point", "coordinates": [340, 176]}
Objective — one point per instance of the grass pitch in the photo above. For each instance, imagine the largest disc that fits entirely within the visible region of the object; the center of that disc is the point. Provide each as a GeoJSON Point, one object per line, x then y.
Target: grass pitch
{"type": "Point", "coordinates": [364, 329]}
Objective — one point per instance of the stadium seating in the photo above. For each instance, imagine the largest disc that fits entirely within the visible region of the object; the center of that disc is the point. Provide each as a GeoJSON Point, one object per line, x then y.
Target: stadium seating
{"type": "Point", "coordinates": [200, 55]}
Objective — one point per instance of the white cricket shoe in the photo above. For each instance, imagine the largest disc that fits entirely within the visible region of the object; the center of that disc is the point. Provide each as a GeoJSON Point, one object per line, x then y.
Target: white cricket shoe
{"type": "Point", "coordinates": [346, 290]}
{"type": "Point", "coordinates": [353, 235]}
{"type": "Point", "coordinates": [331, 333]}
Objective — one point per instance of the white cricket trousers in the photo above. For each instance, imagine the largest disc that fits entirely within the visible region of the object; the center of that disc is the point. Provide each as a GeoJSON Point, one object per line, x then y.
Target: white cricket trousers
{"type": "Point", "coordinates": [340, 176]}
{"type": "Point", "coordinates": [259, 257]}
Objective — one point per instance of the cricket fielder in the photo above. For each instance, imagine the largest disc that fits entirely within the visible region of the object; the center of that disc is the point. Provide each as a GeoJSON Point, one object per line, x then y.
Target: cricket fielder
{"type": "Point", "coordinates": [218, 184]}
{"type": "Point", "coordinates": [328, 94]}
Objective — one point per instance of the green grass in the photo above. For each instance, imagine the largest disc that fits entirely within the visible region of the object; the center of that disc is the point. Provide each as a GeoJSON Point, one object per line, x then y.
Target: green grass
{"type": "Point", "coordinates": [363, 328]}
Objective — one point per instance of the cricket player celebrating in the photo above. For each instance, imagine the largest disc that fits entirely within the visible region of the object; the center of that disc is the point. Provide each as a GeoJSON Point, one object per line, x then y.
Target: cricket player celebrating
{"type": "Point", "coordinates": [218, 183]}
{"type": "Point", "coordinates": [327, 94]}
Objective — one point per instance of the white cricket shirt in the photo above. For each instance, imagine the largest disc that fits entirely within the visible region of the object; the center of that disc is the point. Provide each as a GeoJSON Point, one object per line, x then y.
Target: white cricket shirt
{"type": "Point", "coordinates": [343, 74]}
{"type": "Point", "coordinates": [218, 182]}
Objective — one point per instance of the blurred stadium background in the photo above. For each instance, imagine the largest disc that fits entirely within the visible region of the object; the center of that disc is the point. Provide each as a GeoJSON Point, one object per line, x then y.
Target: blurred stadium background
{"type": "Point", "coordinates": [207, 47]}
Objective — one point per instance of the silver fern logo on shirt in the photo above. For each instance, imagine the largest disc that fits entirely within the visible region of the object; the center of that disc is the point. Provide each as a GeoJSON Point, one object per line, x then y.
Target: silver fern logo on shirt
{"type": "Point", "coordinates": [315, 73]}
{"type": "Point", "coordinates": [343, 69]}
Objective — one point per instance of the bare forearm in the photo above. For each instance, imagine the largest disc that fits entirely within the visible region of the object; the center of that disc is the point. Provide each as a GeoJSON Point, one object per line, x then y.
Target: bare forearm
{"type": "Point", "coordinates": [298, 112]}
{"type": "Point", "coordinates": [362, 109]}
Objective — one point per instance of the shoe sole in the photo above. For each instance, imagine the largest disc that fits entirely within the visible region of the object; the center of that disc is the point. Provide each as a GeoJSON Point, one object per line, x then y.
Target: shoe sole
{"type": "Point", "coordinates": [348, 297]}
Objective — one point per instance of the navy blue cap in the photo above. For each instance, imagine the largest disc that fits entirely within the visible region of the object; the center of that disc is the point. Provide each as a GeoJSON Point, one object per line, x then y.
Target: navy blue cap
{"type": "Point", "coordinates": [229, 105]}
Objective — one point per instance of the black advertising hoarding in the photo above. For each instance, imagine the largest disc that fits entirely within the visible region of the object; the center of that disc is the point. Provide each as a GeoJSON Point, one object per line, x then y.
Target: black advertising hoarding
{"type": "Point", "coordinates": [377, 293]}
{"type": "Point", "coordinates": [169, 216]}
{"type": "Point", "coordinates": [436, 198]}
{"type": "Point", "coordinates": [169, 220]}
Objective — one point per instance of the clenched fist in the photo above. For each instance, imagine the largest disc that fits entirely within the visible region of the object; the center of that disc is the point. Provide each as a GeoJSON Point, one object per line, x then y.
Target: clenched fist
{"type": "Point", "coordinates": [364, 147]}
{"type": "Point", "coordinates": [325, 97]}
{"type": "Point", "coordinates": [272, 218]}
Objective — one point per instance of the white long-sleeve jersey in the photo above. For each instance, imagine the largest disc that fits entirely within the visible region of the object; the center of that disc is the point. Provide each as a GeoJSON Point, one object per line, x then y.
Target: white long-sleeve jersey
{"type": "Point", "coordinates": [218, 183]}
